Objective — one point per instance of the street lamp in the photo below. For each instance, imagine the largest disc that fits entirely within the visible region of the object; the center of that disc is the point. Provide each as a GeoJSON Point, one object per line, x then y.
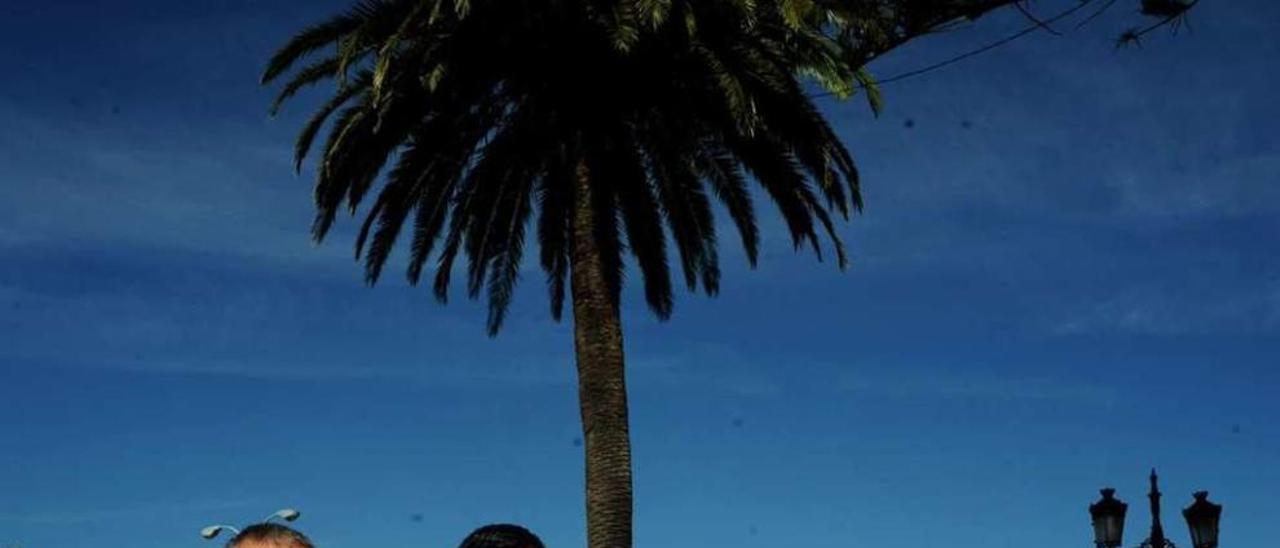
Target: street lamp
{"type": "Point", "coordinates": [1202, 518]}
{"type": "Point", "coordinates": [1108, 520]}
{"type": "Point", "coordinates": [286, 514]}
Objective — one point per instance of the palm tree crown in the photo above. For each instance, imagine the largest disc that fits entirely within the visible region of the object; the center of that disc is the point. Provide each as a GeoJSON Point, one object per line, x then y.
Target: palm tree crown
{"type": "Point", "coordinates": [467, 116]}
{"type": "Point", "coordinates": [620, 122]}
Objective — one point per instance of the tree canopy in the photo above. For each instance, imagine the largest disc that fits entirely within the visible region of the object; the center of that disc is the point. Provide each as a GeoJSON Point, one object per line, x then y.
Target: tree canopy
{"type": "Point", "coordinates": [464, 118]}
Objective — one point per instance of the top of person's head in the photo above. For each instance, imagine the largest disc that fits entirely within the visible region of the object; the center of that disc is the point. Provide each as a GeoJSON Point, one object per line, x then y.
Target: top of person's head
{"type": "Point", "coordinates": [501, 535]}
{"type": "Point", "coordinates": [269, 535]}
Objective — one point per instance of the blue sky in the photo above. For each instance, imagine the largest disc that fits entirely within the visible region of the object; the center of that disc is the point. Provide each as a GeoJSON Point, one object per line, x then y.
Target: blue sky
{"type": "Point", "coordinates": [1066, 274]}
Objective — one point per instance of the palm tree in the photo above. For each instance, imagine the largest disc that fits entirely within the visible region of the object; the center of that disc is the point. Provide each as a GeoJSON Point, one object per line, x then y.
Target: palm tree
{"type": "Point", "coordinates": [620, 122]}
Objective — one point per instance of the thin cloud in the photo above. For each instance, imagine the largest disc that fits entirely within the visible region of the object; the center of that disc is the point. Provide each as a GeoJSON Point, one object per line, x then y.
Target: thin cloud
{"type": "Point", "coordinates": [1158, 310]}
{"type": "Point", "coordinates": [148, 511]}
{"type": "Point", "coordinates": [214, 193]}
{"type": "Point", "coordinates": [978, 387]}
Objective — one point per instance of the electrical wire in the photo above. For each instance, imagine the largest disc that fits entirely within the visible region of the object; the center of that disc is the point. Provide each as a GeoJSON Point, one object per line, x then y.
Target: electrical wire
{"type": "Point", "coordinates": [993, 45]}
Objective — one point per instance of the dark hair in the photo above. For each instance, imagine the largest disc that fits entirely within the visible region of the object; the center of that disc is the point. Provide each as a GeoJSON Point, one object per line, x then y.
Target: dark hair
{"type": "Point", "coordinates": [502, 535]}
{"type": "Point", "coordinates": [273, 533]}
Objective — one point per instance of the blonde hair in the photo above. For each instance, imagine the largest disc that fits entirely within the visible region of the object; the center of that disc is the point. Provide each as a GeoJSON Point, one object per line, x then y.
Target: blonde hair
{"type": "Point", "coordinates": [273, 533]}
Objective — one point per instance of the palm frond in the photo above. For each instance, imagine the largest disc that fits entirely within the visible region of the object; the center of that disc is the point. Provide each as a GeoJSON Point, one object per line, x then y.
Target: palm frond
{"type": "Point", "coordinates": [309, 131]}
{"type": "Point", "coordinates": [627, 172]}
{"type": "Point", "coordinates": [553, 194]}
{"type": "Point", "coordinates": [730, 187]}
{"type": "Point", "coordinates": [327, 33]}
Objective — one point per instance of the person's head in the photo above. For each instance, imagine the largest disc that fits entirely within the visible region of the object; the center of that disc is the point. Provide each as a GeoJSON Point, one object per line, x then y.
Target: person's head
{"type": "Point", "coordinates": [269, 535]}
{"type": "Point", "coordinates": [502, 535]}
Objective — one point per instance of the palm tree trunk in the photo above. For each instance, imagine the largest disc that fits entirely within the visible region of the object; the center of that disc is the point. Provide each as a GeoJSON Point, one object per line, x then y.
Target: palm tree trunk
{"type": "Point", "coordinates": [602, 390]}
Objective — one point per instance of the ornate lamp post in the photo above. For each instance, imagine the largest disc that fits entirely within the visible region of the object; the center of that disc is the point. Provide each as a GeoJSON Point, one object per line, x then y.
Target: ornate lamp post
{"type": "Point", "coordinates": [1108, 520]}
{"type": "Point", "coordinates": [1202, 518]}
